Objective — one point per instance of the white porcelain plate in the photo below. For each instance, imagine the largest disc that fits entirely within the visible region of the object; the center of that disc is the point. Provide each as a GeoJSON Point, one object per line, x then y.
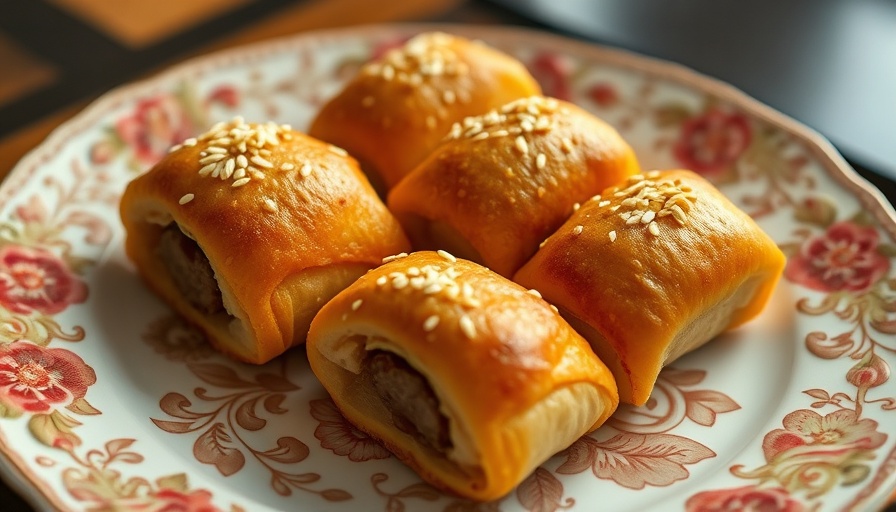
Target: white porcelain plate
{"type": "Point", "coordinates": [108, 401]}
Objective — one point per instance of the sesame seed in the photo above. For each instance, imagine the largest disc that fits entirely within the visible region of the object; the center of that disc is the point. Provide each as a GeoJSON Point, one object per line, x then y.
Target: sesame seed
{"type": "Point", "coordinates": [447, 255]}
{"type": "Point", "coordinates": [534, 292]}
{"type": "Point", "coordinates": [287, 166]}
{"type": "Point", "coordinates": [521, 145]}
{"type": "Point", "coordinates": [186, 198]}
{"type": "Point", "coordinates": [648, 216]}
{"type": "Point", "coordinates": [566, 144]}
{"type": "Point", "coordinates": [337, 150]}
{"type": "Point", "coordinates": [612, 236]}
{"type": "Point", "coordinates": [356, 304]}
{"type": "Point", "coordinates": [382, 280]}
{"type": "Point", "coordinates": [449, 97]}
{"type": "Point", "coordinates": [653, 228]}
{"type": "Point", "coordinates": [270, 205]}
{"type": "Point", "coordinates": [394, 257]}
{"type": "Point", "coordinates": [578, 230]}
{"type": "Point", "coordinates": [261, 162]}
{"type": "Point", "coordinates": [603, 203]}
{"type": "Point", "coordinates": [576, 206]}
{"type": "Point", "coordinates": [305, 171]}
{"type": "Point", "coordinates": [467, 326]}
{"type": "Point", "coordinates": [553, 307]}
{"type": "Point", "coordinates": [240, 182]}
{"type": "Point", "coordinates": [540, 161]}
{"type": "Point", "coordinates": [430, 323]}
{"type": "Point", "coordinates": [541, 191]}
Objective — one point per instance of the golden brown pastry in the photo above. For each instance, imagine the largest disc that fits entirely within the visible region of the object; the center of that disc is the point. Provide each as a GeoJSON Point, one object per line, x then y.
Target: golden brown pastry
{"type": "Point", "coordinates": [503, 181]}
{"type": "Point", "coordinates": [399, 107]}
{"type": "Point", "coordinates": [464, 375]}
{"type": "Point", "coordinates": [653, 269]}
{"type": "Point", "coordinates": [249, 229]}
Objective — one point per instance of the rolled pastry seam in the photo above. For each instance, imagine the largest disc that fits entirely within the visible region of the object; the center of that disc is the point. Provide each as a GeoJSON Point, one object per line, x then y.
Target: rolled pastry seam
{"type": "Point", "coordinates": [248, 229]}
{"type": "Point", "coordinates": [501, 182]}
{"type": "Point", "coordinates": [653, 269]}
{"type": "Point", "coordinates": [467, 377]}
{"type": "Point", "coordinates": [399, 106]}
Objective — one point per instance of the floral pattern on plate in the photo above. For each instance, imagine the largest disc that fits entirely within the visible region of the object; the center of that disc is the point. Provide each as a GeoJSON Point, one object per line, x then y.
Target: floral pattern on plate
{"type": "Point", "coordinates": [109, 402]}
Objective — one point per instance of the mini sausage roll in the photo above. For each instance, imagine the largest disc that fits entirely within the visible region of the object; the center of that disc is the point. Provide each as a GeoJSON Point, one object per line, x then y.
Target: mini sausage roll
{"type": "Point", "coordinates": [395, 111]}
{"type": "Point", "coordinates": [249, 229]}
{"type": "Point", "coordinates": [503, 181]}
{"type": "Point", "coordinates": [653, 269]}
{"type": "Point", "coordinates": [464, 375]}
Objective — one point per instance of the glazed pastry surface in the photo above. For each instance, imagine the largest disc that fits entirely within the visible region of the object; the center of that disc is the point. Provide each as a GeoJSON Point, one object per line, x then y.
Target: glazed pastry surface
{"type": "Point", "coordinates": [249, 229]}
{"type": "Point", "coordinates": [503, 181]}
{"type": "Point", "coordinates": [512, 382]}
{"type": "Point", "coordinates": [653, 269]}
{"type": "Point", "coordinates": [398, 107]}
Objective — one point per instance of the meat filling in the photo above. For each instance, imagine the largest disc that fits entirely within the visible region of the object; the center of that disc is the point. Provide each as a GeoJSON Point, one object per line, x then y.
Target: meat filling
{"type": "Point", "coordinates": [407, 394]}
{"type": "Point", "coordinates": [190, 270]}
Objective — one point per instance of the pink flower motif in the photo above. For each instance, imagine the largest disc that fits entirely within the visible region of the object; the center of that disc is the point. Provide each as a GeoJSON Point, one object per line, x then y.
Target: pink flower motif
{"type": "Point", "coordinates": [36, 280]}
{"type": "Point", "coordinates": [156, 124]}
{"type": "Point", "coordinates": [604, 94]}
{"type": "Point", "coordinates": [39, 380]}
{"type": "Point", "coordinates": [748, 498]}
{"type": "Point", "coordinates": [711, 142]}
{"type": "Point", "coordinates": [845, 257]}
{"type": "Point", "coordinates": [552, 72]}
{"type": "Point", "coordinates": [170, 500]}
{"type": "Point", "coordinates": [871, 371]}
{"type": "Point", "coordinates": [226, 95]}
{"type": "Point", "coordinates": [341, 437]}
{"type": "Point", "coordinates": [807, 433]}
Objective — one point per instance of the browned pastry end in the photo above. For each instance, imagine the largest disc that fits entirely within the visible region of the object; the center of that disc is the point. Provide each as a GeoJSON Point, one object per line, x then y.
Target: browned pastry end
{"type": "Point", "coordinates": [503, 181]}
{"type": "Point", "coordinates": [248, 229]}
{"type": "Point", "coordinates": [398, 108]}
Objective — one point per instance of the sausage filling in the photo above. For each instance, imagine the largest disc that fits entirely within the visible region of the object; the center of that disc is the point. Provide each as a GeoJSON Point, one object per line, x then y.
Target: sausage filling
{"type": "Point", "coordinates": [410, 399]}
{"type": "Point", "coordinates": [190, 269]}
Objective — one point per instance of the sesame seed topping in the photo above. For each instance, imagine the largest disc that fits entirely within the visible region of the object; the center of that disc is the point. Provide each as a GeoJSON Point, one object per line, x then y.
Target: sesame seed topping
{"type": "Point", "coordinates": [337, 150]}
{"type": "Point", "coordinates": [305, 171]}
{"type": "Point", "coordinates": [382, 280]}
{"type": "Point", "coordinates": [186, 198]}
{"type": "Point", "coordinates": [447, 255]}
{"type": "Point", "coordinates": [467, 326]}
{"type": "Point", "coordinates": [394, 257]}
{"type": "Point", "coordinates": [576, 206]}
{"type": "Point", "coordinates": [646, 198]}
{"type": "Point", "coordinates": [421, 58]}
{"type": "Point", "coordinates": [541, 192]}
{"type": "Point", "coordinates": [566, 144]}
{"type": "Point", "coordinates": [540, 161]}
{"type": "Point", "coordinates": [534, 292]}
{"type": "Point", "coordinates": [270, 205]}
{"type": "Point", "coordinates": [553, 307]}
{"type": "Point", "coordinates": [356, 304]}
{"type": "Point", "coordinates": [287, 166]}
{"type": "Point", "coordinates": [431, 323]}
{"type": "Point", "coordinates": [612, 236]}
{"type": "Point", "coordinates": [521, 145]}
{"type": "Point", "coordinates": [449, 97]}
{"type": "Point", "coordinates": [233, 147]}
{"type": "Point", "coordinates": [578, 230]}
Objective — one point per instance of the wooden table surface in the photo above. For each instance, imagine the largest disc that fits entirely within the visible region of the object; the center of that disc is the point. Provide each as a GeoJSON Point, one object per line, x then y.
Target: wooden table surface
{"type": "Point", "coordinates": [56, 56]}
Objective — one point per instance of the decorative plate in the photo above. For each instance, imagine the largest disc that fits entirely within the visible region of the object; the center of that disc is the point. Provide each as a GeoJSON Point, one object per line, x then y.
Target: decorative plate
{"type": "Point", "coordinates": [108, 401]}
